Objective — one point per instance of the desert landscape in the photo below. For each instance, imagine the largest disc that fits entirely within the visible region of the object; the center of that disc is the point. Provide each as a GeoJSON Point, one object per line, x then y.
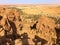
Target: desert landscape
{"type": "Point", "coordinates": [29, 25]}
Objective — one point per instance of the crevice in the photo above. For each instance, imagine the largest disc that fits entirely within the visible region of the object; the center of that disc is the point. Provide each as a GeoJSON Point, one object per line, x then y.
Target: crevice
{"type": "Point", "coordinates": [34, 26]}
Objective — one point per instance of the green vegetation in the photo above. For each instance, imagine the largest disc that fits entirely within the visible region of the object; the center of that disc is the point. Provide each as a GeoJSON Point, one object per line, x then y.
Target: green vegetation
{"type": "Point", "coordinates": [34, 17]}
{"type": "Point", "coordinates": [18, 10]}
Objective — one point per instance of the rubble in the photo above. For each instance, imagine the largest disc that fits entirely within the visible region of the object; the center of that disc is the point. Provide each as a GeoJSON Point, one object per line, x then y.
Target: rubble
{"type": "Point", "coordinates": [41, 32]}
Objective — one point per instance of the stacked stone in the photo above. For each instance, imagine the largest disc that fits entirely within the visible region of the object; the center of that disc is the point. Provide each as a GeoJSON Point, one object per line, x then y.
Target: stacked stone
{"type": "Point", "coordinates": [46, 29]}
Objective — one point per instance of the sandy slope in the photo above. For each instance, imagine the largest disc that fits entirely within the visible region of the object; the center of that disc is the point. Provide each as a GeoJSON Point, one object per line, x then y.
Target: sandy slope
{"type": "Point", "coordinates": [42, 10]}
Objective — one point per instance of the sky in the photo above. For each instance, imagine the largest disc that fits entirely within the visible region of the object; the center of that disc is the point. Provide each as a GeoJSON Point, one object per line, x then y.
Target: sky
{"type": "Point", "coordinates": [29, 1]}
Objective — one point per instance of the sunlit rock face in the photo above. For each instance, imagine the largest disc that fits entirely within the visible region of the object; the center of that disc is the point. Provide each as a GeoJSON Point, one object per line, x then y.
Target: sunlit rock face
{"type": "Point", "coordinates": [16, 29]}
{"type": "Point", "coordinates": [46, 28]}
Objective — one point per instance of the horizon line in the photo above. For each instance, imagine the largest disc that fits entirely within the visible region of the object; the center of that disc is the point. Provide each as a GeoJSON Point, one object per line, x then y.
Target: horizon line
{"type": "Point", "coordinates": [27, 4]}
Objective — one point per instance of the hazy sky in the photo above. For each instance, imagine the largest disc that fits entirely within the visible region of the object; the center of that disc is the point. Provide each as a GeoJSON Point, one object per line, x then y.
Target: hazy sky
{"type": "Point", "coordinates": [29, 1]}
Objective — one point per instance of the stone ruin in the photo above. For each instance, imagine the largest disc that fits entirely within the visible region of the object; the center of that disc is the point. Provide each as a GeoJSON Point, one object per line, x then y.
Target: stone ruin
{"type": "Point", "coordinates": [14, 31]}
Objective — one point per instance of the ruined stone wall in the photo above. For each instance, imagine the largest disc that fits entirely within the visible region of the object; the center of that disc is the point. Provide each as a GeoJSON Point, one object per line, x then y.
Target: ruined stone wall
{"type": "Point", "coordinates": [41, 30]}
